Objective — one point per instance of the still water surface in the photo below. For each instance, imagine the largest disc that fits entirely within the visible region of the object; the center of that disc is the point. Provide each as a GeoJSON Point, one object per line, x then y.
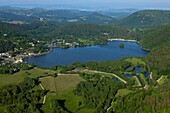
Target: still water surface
{"type": "Point", "coordinates": [110, 51]}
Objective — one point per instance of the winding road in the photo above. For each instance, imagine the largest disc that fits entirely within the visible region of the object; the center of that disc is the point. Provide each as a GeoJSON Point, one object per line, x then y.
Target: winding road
{"type": "Point", "coordinates": [45, 95]}
{"type": "Point", "coordinates": [92, 71]}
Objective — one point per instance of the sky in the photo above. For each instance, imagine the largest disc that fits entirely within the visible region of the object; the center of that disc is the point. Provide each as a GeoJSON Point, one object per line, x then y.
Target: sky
{"type": "Point", "coordinates": [154, 4]}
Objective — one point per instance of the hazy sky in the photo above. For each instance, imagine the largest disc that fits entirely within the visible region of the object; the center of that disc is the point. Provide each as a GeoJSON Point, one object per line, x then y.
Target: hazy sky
{"type": "Point", "coordinates": [93, 3]}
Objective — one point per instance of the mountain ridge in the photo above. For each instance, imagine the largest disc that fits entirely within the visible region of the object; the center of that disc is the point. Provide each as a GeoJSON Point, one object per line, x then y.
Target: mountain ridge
{"type": "Point", "coordinates": [146, 19]}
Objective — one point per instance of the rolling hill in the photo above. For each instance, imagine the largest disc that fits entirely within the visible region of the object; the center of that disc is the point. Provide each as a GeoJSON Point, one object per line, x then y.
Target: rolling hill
{"type": "Point", "coordinates": [91, 31]}
{"type": "Point", "coordinates": [146, 19]}
{"type": "Point", "coordinates": [158, 41]}
{"type": "Point", "coordinates": [52, 17]}
{"type": "Point", "coordinates": [117, 13]}
{"type": "Point", "coordinates": [157, 37]}
{"type": "Point", "coordinates": [96, 18]}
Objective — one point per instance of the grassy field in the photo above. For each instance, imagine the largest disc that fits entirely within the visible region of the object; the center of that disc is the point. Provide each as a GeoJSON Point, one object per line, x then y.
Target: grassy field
{"type": "Point", "coordinates": [136, 61]}
{"type": "Point", "coordinates": [6, 79]}
{"type": "Point", "coordinates": [163, 80]}
{"type": "Point", "coordinates": [143, 79]}
{"type": "Point", "coordinates": [86, 42]}
{"type": "Point", "coordinates": [136, 81]}
{"type": "Point", "coordinates": [71, 101]}
{"type": "Point", "coordinates": [61, 83]}
{"type": "Point", "coordinates": [61, 87]}
{"type": "Point", "coordinates": [123, 92]}
{"type": "Point", "coordinates": [86, 111]}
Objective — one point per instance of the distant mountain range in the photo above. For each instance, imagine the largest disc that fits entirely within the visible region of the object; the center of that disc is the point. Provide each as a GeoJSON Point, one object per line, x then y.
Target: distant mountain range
{"type": "Point", "coordinates": [54, 17]}
{"type": "Point", "coordinates": [124, 17]}
{"type": "Point", "coordinates": [118, 13]}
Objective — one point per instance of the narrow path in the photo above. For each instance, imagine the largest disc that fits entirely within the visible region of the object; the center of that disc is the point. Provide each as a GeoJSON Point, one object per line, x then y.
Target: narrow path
{"type": "Point", "coordinates": [45, 95]}
{"type": "Point", "coordinates": [108, 74]}
{"type": "Point", "coordinates": [44, 99]}
{"type": "Point", "coordinates": [41, 86]}
{"type": "Point", "coordinates": [139, 83]}
{"type": "Point", "coordinates": [150, 75]}
{"type": "Point", "coordinates": [109, 107]}
{"type": "Point", "coordinates": [159, 79]}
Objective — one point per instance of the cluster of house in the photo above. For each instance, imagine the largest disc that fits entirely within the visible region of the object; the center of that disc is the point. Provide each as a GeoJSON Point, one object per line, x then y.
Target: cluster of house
{"type": "Point", "coordinates": [62, 42]}
{"type": "Point", "coordinates": [5, 55]}
{"type": "Point", "coordinates": [8, 57]}
{"type": "Point", "coordinates": [16, 59]}
{"type": "Point", "coordinates": [74, 44]}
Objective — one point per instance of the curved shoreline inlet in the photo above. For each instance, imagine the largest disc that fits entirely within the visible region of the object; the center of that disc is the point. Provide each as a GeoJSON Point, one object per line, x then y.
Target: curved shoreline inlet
{"type": "Point", "coordinates": [110, 51]}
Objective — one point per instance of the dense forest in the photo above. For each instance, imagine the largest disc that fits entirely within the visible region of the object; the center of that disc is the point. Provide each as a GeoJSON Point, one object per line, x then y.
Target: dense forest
{"type": "Point", "coordinates": [11, 68]}
{"type": "Point", "coordinates": [6, 46]}
{"type": "Point", "coordinates": [158, 42]}
{"type": "Point", "coordinates": [21, 97]}
{"type": "Point", "coordinates": [155, 100]}
{"type": "Point", "coordinates": [98, 93]}
{"type": "Point", "coordinates": [139, 101]}
{"type": "Point", "coordinates": [39, 29]}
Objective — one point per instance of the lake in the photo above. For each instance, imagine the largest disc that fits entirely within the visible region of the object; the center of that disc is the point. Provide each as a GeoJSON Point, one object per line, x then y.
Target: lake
{"type": "Point", "coordinates": [136, 70]}
{"type": "Point", "coordinates": [110, 51]}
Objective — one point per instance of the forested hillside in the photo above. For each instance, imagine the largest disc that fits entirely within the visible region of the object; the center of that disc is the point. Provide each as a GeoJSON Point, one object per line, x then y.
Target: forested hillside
{"type": "Point", "coordinates": [6, 46]}
{"type": "Point", "coordinates": [91, 30]}
{"type": "Point", "coordinates": [159, 58]}
{"type": "Point", "coordinates": [96, 18]}
{"type": "Point", "coordinates": [146, 19]}
{"type": "Point", "coordinates": [156, 37]}
{"type": "Point", "coordinates": [158, 42]}
{"type": "Point", "coordinates": [147, 101]}
{"type": "Point", "coordinates": [51, 16]}
{"type": "Point", "coordinates": [42, 29]}
{"type": "Point", "coordinates": [17, 30]}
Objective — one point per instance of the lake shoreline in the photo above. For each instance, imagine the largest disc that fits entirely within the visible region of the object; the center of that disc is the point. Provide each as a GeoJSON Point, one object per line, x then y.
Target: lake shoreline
{"type": "Point", "coordinates": [127, 40]}
{"type": "Point", "coordinates": [85, 54]}
{"type": "Point", "coordinates": [36, 55]}
{"type": "Point", "coordinates": [111, 39]}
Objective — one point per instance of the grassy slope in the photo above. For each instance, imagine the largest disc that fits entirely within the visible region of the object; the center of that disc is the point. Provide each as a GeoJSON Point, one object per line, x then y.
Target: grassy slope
{"type": "Point", "coordinates": [71, 103]}
{"type": "Point", "coordinates": [123, 92]}
{"type": "Point", "coordinates": [61, 83]}
{"type": "Point", "coordinates": [137, 82]}
{"type": "Point", "coordinates": [6, 79]}
{"type": "Point", "coordinates": [61, 87]}
{"type": "Point", "coordinates": [86, 111]}
{"type": "Point", "coordinates": [136, 61]}
{"type": "Point", "coordinates": [163, 80]}
{"type": "Point", "coordinates": [143, 79]}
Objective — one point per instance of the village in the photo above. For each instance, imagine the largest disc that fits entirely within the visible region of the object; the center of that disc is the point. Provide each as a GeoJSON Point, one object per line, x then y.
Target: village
{"type": "Point", "coordinates": [47, 47]}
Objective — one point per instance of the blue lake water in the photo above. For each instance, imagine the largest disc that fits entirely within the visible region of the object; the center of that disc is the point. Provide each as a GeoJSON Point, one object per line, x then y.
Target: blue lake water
{"type": "Point", "coordinates": [137, 69]}
{"type": "Point", "coordinates": [110, 51]}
